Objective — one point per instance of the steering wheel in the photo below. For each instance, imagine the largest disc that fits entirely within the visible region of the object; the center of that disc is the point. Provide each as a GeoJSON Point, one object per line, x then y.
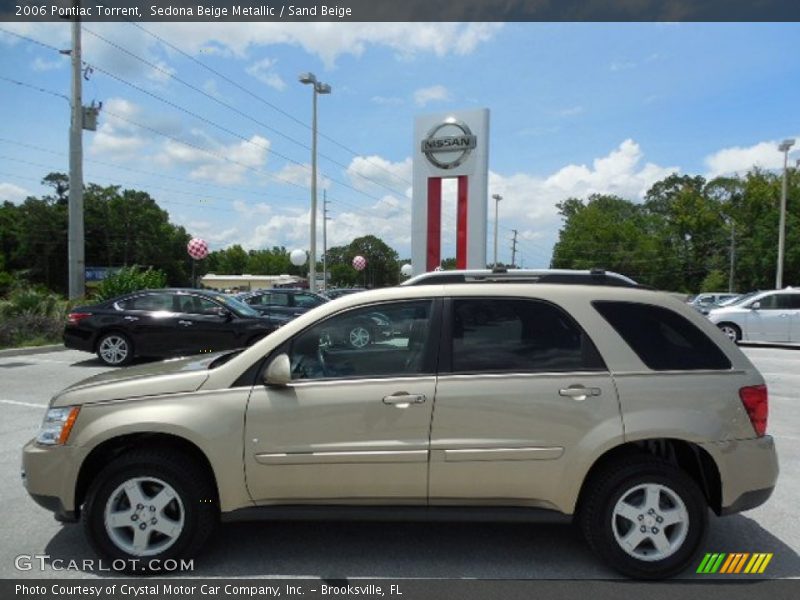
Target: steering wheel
{"type": "Point", "coordinates": [324, 342]}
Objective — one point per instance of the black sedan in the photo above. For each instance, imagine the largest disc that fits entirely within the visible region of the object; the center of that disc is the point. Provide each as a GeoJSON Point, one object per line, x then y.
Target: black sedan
{"type": "Point", "coordinates": [282, 305]}
{"type": "Point", "coordinates": [163, 323]}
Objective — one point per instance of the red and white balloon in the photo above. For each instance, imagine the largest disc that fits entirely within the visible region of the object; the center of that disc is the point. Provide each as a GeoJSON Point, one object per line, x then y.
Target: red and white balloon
{"type": "Point", "coordinates": [359, 263]}
{"type": "Point", "coordinates": [197, 248]}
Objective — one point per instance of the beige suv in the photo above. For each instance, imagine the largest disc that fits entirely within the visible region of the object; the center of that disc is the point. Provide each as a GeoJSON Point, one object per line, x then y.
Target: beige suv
{"type": "Point", "coordinates": [622, 407]}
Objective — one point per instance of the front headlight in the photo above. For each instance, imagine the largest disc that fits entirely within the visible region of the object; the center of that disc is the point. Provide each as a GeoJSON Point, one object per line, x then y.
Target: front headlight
{"type": "Point", "coordinates": [57, 425]}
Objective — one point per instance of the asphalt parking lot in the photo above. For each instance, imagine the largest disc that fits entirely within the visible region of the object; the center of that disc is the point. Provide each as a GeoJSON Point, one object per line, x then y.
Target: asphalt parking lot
{"type": "Point", "coordinates": [384, 550]}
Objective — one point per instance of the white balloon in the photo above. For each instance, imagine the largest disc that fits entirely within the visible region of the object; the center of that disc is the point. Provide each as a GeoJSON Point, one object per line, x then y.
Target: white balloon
{"type": "Point", "coordinates": [298, 257]}
{"type": "Point", "coordinates": [406, 270]}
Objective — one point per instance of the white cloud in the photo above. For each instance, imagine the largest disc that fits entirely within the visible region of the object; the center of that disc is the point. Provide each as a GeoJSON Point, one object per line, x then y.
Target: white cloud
{"type": "Point", "coordinates": [116, 138]}
{"type": "Point", "coordinates": [264, 71]}
{"type": "Point", "coordinates": [40, 64]}
{"type": "Point", "coordinates": [329, 41]}
{"type": "Point", "coordinates": [222, 163]}
{"type": "Point", "coordinates": [570, 111]}
{"type": "Point", "coordinates": [12, 193]}
{"type": "Point", "coordinates": [370, 173]}
{"type": "Point", "coordinates": [737, 159]}
{"type": "Point", "coordinates": [300, 174]}
{"type": "Point", "coordinates": [435, 93]}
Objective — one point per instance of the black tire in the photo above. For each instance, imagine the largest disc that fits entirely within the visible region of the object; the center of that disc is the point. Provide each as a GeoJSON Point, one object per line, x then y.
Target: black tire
{"type": "Point", "coordinates": [196, 496]}
{"type": "Point", "coordinates": [622, 480]}
{"type": "Point", "coordinates": [112, 339]}
{"type": "Point", "coordinates": [733, 331]}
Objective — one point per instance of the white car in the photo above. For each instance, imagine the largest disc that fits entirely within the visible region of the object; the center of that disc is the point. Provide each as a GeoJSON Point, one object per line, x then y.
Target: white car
{"type": "Point", "coordinates": [771, 316]}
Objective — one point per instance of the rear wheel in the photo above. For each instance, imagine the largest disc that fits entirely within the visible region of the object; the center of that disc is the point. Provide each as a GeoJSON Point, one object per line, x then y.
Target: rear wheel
{"type": "Point", "coordinates": [645, 518]}
{"type": "Point", "coordinates": [115, 349]}
{"type": "Point", "coordinates": [147, 506]}
{"type": "Point", "coordinates": [733, 332]}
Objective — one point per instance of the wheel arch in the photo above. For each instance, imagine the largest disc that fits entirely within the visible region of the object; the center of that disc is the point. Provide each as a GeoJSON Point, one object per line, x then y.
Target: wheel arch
{"type": "Point", "coordinates": [688, 456]}
{"type": "Point", "coordinates": [107, 451]}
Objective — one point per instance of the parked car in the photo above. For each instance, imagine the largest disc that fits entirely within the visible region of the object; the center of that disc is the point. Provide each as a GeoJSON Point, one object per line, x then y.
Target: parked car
{"type": "Point", "coordinates": [619, 406]}
{"type": "Point", "coordinates": [339, 292]}
{"type": "Point", "coordinates": [281, 305]}
{"type": "Point", "coordinates": [163, 323]}
{"type": "Point", "coordinates": [707, 300]}
{"type": "Point", "coordinates": [769, 316]}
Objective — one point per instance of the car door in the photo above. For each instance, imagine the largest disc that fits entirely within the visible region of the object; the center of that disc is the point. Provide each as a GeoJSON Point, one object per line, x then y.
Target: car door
{"type": "Point", "coordinates": [150, 319]}
{"type": "Point", "coordinates": [206, 325]}
{"type": "Point", "coordinates": [353, 425]}
{"type": "Point", "coordinates": [771, 321]}
{"type": "Point", "coordinates": [521, 391]}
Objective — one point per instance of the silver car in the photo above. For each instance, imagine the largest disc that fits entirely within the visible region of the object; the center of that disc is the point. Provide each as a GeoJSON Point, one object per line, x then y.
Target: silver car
{"type": "Point", "coordinates": [771, 316]}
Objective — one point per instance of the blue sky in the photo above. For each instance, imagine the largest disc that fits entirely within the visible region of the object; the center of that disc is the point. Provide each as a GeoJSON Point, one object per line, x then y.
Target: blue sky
{"type": "Point", "coordinates": [575, 108]}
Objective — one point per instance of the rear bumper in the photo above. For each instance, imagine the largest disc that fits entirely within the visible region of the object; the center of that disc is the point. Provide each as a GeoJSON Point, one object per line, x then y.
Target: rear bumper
{"type": "Point", "coordinates": [78, 339]}
{"type": "Point", "coordinates": [748, 472]}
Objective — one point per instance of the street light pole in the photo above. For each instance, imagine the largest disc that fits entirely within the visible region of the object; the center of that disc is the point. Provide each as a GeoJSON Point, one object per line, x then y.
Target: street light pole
{"type": "Point", "coordinates": [497, 198]}
{"type": "Point", "coordinates": [317, 88]}
{"type": "Point", "coordinates": [784, 147]}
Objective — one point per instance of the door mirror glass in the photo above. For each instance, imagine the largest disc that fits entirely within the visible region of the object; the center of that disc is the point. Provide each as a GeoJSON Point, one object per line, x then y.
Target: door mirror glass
{"type": "Point", "coordinates": [279, 371]}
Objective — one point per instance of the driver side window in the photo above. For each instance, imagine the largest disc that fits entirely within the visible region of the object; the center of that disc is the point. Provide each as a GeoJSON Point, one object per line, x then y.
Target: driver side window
{"type": "Point", "coordinates": [386, 340]}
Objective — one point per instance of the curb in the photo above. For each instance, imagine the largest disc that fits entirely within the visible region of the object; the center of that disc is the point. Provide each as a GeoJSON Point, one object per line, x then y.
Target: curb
{"type": "Point", "coordinates": [31, 350]}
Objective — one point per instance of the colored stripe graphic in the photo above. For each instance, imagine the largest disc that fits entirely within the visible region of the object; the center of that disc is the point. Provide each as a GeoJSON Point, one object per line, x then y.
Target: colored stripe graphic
{"type": "Point", "coordinates": [729, 564]}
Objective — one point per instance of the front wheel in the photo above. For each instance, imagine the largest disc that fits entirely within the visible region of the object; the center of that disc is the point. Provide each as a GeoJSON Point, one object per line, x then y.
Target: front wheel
{"type": "Point", "coordinates": [148, 507]}
{"type": "Point", "coordinates": [732, 331]}
{"type": "Point", "coordinates": [646, 518]}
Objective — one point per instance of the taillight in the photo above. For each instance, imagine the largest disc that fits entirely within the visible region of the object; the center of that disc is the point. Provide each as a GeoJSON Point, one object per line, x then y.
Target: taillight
{"type": "Point", "coordinates": [756, 404]}
{"type": "Point", "coordinates": [76, 317]}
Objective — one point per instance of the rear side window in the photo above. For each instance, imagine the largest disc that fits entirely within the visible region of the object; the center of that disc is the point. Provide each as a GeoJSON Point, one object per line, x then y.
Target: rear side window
{"type": "Point", "coordinates": [518, 336]}
{"type": "Point", "coordinates": [663, 339]}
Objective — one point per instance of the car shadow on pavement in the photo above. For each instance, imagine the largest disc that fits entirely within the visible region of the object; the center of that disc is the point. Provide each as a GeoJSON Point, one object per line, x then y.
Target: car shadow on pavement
{"type": "Point", "coordinates": [342, 550]}
{"type": "Point", "coordinates": [95, 362]}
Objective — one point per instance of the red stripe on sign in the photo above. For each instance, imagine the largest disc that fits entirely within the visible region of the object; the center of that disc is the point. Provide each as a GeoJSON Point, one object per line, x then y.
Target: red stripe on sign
{"type": "Point", "coordinates": [434, 256]}
{"type": "Point", "coordinates": [461, 230]}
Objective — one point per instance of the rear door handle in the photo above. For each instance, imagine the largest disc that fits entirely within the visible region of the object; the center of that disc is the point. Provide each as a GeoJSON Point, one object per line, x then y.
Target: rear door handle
{"type": "Point", "coordinates": [404, 399]}
{"type": "Point", "coordinates": [184, 322]}
{"type": "Point", "coordinates": [130, 318]}
{"type": "Point", "coordinates": [579, 392]}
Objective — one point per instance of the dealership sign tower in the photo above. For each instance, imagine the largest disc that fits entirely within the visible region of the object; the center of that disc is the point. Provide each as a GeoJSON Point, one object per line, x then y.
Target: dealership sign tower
{"type": "Point", "coordinates": [453, 145]}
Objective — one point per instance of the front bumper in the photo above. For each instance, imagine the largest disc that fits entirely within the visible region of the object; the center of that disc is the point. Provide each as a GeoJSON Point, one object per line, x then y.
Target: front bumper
{"type": "Point", "coordinates": [49, 474]}
{"type": "Point", "coordinates": [748, 472]}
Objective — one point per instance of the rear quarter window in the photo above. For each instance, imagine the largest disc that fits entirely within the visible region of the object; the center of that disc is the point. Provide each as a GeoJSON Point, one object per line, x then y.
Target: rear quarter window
{"type": "Point", "coordinates": [663, 339]}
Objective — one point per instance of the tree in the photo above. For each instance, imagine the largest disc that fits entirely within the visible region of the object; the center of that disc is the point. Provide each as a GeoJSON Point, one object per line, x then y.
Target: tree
{"type": "Point", "coordinates": [382, 263]}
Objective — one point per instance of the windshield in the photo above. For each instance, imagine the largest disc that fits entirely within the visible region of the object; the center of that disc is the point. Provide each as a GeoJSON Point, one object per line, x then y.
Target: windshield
{"type": "Point", "coordinates": [738, 299]}
{"type": "Point", "coordinates": [237, 306]}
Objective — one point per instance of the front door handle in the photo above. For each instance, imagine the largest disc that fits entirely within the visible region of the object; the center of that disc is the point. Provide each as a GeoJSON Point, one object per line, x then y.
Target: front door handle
{"type": "Point", "coordinates": [131, 318]}
{"type": "Point", "coordinates": [404, 399]}
{"type": "Point", "coordinates": [579, 392]}
{"type": "Point", "coordinates": [184, 323]}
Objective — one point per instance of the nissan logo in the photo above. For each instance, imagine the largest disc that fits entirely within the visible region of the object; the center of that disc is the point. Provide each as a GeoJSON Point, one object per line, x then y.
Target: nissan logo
{"type": "Point", "coordinates": [448, 144]}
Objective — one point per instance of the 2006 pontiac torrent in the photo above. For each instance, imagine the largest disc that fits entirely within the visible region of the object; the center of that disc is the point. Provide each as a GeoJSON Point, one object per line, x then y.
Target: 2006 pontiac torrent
{"type": "Point", "coordinates": [619, 406]}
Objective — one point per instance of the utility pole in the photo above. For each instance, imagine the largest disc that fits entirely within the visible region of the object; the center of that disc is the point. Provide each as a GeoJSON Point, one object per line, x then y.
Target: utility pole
{"type": "Point", "coordinates": [514, 249]}
{"type": "Point", "coordinates": [325, 219]}
{"type": "Point", "coordinates": [75, 238]}
{"type": "Point", "coordinates": [497, 198]}
{"type": "Point", "coordinates": [733, 256]}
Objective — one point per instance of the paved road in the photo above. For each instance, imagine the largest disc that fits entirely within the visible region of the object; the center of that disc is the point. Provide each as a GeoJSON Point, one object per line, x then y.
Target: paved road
{"type": "Point", "coordinates": [385, 550]}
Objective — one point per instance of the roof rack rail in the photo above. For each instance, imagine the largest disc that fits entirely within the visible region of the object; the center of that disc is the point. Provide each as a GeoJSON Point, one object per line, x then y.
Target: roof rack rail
{"type": "Point", "coordinates": [503, 275]}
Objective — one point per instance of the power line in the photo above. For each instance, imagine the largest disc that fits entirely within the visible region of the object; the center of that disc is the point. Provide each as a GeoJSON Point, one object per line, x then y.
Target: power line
{"type": "Point", "coordinates": [266, 102]}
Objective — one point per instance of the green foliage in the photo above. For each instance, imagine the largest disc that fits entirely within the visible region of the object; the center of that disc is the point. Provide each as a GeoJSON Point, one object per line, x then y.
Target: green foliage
{"type": "Point", "coordinates": [130, 279]}
{"type": "Point", "coordinates": [680, 237]}
{"type": "Point", "coordinates": [715, 281]}
{"type": "Point", "coordinates": [31, 316]}
{"type": "Point", "coordinates": [122, 227]}
{"type": "Point", "coordinates": [382, 263]}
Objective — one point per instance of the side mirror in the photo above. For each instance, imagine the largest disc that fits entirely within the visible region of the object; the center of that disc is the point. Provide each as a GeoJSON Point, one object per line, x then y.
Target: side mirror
{"type": "Point", "coordinates": [279, 371]}
{"type": "Point", "coordinates": [755, 305]}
